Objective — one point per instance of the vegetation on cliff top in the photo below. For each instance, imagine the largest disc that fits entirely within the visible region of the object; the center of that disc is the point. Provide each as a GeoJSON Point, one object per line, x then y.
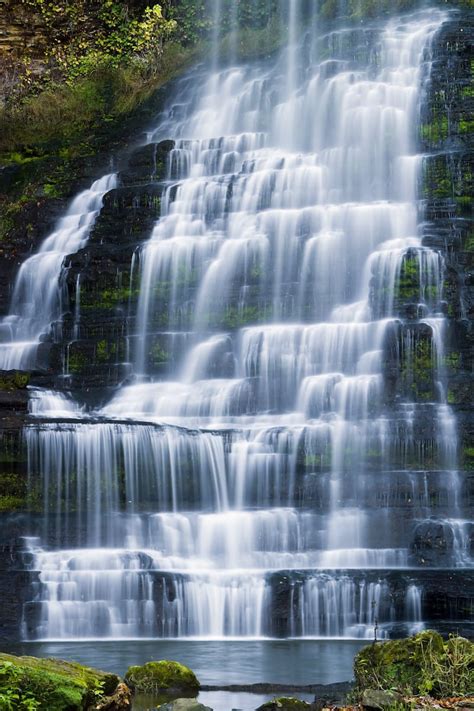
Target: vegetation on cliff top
{"type": "Point", "coordinates": [76, 77]}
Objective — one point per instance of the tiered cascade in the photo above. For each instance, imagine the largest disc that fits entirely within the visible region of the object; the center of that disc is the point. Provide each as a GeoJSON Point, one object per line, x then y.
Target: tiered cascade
{"type": "Point", "coordinates": [275, 483]}
{"type": "Point", "coordinates": [37, 299]}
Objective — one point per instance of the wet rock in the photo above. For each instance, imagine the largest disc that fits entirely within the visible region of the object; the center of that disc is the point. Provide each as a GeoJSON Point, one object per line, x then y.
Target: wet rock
{"type": "Point", "coordinates": [147, 163]}
{"type": "Point", "coordinates": [185, 705]}
{"type": "Point", "coordinates": [377, 699]}
{"type": "Point", "coordinates": [285, 703]}
{"type": "Point", "coordinates": [432, 543]}
{"type": "Point", "coordinates": [13, 379]}
{"type": "Point", "coordinates": [120, 699]}
{"type": "Point", "coordinates": [162, 676]}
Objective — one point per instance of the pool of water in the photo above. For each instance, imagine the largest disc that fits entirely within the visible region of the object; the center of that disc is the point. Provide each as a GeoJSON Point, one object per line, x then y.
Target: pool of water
{"type": "Point", "coordinates": [297, 662]}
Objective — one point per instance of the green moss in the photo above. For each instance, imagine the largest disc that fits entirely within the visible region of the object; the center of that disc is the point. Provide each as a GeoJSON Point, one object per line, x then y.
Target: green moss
{"type": "Point", "coordinates": [105, 351]}
{"type": "Point", "coordinates": [158, 354]}
{"type": "Point", "coordinates": [161, 676]}
{"type": "Point", "coordinates": [234, 317]}
{"type": "Point", "coordinates": [423, 664]}
{"type": "Point", "coordinates": [466, 126]}
{"type": "Point", "coordinates": [452, 360]}
{"type": "Point", "coordinates": [51, 190]}
{"type": "Point", "coordinates": [284, 703]}
{"type": "Point", "coordinates": [468, 457]}
{"type": "Point", "coordinates": [408, 286]}
{"type": "Point", "coordinates": [14, 493]}
{"type": "Point", "coordinates": [14, 380]}
{"type": "Point", "coordinates": [435, 131]}
{"type": "Point", "coordinates": [51, 684]}
{"type": "Point", "coordinates": [11, 503]}
{"type": "Point", "coordinates": [77, 361]}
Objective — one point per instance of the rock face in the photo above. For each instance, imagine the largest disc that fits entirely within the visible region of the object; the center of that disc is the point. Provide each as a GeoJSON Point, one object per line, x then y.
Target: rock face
{"type": "Point", "coordinates": [447, 136]}
{"type": "Point", "coordinates": [57, 685]}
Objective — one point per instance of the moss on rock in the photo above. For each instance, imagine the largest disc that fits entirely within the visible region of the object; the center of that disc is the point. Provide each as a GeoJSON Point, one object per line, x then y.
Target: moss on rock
{"type": "Point", "coordinates": [422, 664]}
{"type": "Point", "coordinates": [185, 705]}
{"type": "Point", "coordinates": [164, 675]}
{"type": "Point", "coordinates": [53, 685]}
{"type": "Point", "coordinates": [284, 703]}
{"type": "Point", "coordinates": [13, 380]}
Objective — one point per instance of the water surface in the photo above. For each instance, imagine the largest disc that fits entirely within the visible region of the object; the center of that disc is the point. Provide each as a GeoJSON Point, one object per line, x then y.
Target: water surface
{"type": "Point", "coordinates": [218, 662]}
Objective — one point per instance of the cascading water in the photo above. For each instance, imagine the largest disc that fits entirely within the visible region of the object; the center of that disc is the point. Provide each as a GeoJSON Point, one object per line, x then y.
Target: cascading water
{"type": "Point", "coordinates": [261, 490]}
{"type": "Point", "coordinates": [37, 297]}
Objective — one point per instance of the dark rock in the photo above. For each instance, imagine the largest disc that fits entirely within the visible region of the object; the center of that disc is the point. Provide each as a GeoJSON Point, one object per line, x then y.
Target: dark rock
{"type": "Point", "coordinates": [285, 703]}
{"type": "Point", "coordinates": [378, 699]}
{"type": "Point", "coordinates": [147, 164]}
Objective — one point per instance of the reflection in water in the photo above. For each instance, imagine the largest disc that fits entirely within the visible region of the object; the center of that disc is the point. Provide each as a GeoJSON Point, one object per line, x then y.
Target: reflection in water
{"type": "Point", "coordinates": [296, 662]}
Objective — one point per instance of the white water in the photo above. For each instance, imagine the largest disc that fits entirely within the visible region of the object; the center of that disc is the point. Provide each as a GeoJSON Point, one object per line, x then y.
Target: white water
{"type": "Point", "coordinates": [37, 298]}
{"type": "Point", "coordinates": [264, 491]}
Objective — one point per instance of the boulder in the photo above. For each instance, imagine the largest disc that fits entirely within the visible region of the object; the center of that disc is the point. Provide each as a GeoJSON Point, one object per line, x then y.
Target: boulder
{"type": "Point", "coordinates": [378, 699]}
{"type": "Point", "coordinates": [162, 676]}
{"type": "Point", "coordinates": [57, 685]}
{"type": "Point", "coordinates": [185, 705]}
{"type": "Point", "coordinates": [284, 703]}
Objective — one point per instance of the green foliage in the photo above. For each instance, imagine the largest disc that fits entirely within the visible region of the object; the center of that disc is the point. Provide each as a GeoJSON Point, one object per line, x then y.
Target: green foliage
{"type": "Point", "coordinates": [14, 380]}
{"type": "Point", "coordinates": [82, 38]}
{"type": "Point", "coordinates": [105, 351]}
{"type": "Point", "coordinates": [30, 684]}
{"type": "Point", "coordinates": [76, 360]}
{"type": "Point", "coordinates": [407, 287]}
{"type": "Point", "coordinates": [423, 664]}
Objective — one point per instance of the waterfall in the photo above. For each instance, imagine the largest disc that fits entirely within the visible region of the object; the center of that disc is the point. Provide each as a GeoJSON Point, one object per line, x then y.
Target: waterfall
{"type": "Point", "coordinates": [272, 487]}
{"type": "Point", "coordinates": [37, 298]}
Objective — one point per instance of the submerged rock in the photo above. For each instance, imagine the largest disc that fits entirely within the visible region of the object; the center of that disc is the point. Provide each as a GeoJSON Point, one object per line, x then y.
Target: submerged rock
{"type": "Point", "coordinates": [57, 685]}
{"type": "Point", "coordinates": [185, 705]}
{"type": "Point", "coordinates": [172, 677]}
{"type": "Point", "coordinates": [285, 703]}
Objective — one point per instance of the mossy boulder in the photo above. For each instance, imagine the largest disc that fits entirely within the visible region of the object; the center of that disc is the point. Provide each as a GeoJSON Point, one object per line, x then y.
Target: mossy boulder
{"type": "Point", "coordinates": [423, 664]}
{"type": "Point", "coordinates": [163, 676]}
{"type": "Point", "coordinates": [285, 703]}
{"type": "Point", "coordinates": [56, 685]}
